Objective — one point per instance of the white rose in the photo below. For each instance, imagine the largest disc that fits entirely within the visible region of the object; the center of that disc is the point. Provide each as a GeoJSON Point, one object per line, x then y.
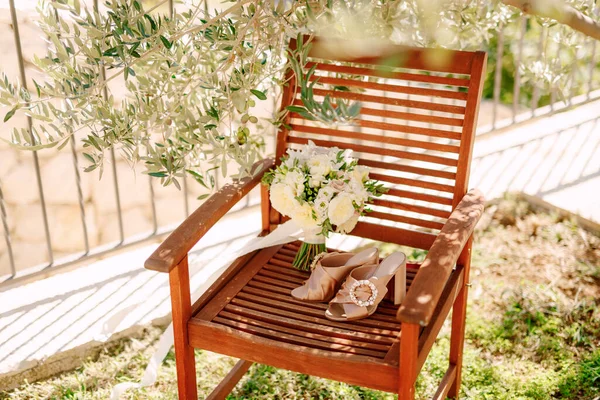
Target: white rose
{"type": "Point", "coordinates": [294, 155]}
{"type": "Point", "coordinates": [358, 192]}
{"type": "Point", "coordinates": [320, 165]}
{"type": "Point", "coordinates": [283, 198]}
{"type": "Point", "coordinates": [347, 226]}
{"type": "Point", "coordinates": [341, 209]}
{"type": "Point", "coordinates": [295, 180]}
{"type": "Point", "coordinates": [303, 216]}
{"type": "Point", "coordinates": [360, 173]}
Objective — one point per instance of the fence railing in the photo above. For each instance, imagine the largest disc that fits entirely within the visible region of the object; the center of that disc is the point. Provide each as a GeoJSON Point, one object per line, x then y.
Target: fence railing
{"type": "Point", "coordinates": [532, 44]}
{"type": "Point", "coordinates": [511, 103]}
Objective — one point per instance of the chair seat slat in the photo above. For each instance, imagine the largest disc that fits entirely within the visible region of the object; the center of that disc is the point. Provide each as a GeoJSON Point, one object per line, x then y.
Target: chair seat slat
{"type": "Point", "coordinates": [279, 291]}
{"type": "Point", "coordinates": [387, 321]}
{"type": "Point", "coordinates": [283, 336]}
{"type": "Point", "coordinates": [318, 336]}
{"type": "Point", "coordinates": [353, 331]}
{"type": "Point", "coordinates": [281, 277]}
{"type": "Point", "coordinates": [285, 271]}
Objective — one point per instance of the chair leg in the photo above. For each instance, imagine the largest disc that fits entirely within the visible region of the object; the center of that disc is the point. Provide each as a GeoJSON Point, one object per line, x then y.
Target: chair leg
{"type": "Point", "coordinates": [229, 382]}
{"type": "Point", "coordinates": [459, 313]}
{"type": "Point", "coordinates": [179, 282]}
{"type": "Point", "coordinates": [409, 352]}
{"type": "Point", "coordinates": [457, 338]}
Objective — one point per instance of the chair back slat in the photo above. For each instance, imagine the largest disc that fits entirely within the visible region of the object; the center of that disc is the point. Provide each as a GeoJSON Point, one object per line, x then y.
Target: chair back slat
{"type": "Point", "coordinates": [415, 131]}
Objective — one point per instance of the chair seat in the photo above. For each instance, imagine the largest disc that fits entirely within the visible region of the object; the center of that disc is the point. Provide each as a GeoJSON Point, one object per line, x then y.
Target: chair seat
{"type": "Point", "coordinates": [252, 316]}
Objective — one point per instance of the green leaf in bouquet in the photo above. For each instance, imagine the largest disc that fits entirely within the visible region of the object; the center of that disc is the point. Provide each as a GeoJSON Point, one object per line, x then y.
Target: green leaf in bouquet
{"type": "Point", "coordinates": [326, 227]}
{"type": "Point", "coordinates": [268, 177]}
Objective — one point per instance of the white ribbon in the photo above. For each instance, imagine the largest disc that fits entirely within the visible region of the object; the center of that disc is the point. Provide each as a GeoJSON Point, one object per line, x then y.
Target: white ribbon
{"type": "Point", "coordinates": [285, 233]}
{"type": "Point", "coordinates": [313, 237]}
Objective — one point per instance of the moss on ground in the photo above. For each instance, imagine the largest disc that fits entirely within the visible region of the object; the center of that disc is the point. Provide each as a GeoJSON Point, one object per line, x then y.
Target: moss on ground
{"type": "Point", "coordinates": [533, 329]}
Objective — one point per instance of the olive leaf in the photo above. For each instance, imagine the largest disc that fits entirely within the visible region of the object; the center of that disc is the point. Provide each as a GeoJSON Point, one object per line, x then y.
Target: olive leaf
{"type": "Point", "coordinates": [191, 79]}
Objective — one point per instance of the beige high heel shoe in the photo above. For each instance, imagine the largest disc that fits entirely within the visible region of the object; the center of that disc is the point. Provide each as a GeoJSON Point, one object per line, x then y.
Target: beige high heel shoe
{"type": "Point", "coordinates": [366, 286]}
{"type": "Point", "coordinates": [329, 273]}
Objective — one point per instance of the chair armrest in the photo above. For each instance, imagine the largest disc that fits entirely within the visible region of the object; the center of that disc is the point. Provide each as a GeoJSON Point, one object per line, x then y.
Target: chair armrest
{"type": "Point", "coordinates": [177, 245]}
{"type": "Point", "coordinates": [429, 282]}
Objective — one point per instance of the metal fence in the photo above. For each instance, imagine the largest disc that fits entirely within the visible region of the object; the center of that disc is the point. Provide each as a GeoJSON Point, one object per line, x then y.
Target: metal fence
{"type": "Point", "coordinates": [583, 84]}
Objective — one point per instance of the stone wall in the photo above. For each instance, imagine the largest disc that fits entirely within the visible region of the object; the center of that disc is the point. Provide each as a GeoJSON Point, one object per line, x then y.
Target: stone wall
{"type": "Point", "coordinates": [18, 182]}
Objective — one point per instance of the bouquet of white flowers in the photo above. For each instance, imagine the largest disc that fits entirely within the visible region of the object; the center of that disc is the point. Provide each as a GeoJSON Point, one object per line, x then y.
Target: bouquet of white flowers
{"type": "Point", "coordinates": [322, 190]}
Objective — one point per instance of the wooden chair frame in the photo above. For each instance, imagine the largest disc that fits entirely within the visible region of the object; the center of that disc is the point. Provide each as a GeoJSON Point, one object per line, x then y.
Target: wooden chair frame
{"type": "Point", "coordinates": [438, 285]}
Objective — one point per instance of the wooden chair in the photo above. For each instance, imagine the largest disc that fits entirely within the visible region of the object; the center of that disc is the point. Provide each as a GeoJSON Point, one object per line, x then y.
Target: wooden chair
{"type": "Point", "coordinates": [416, 134]}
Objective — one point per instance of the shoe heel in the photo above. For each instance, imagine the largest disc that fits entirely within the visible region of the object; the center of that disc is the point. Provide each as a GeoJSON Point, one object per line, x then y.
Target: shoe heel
{"type": "Point", "coordinates": [400, 284]}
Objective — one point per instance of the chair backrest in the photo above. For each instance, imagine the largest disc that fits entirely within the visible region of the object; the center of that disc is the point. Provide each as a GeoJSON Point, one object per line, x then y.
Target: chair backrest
{"type": "Point", "coordinates": [415, 131]}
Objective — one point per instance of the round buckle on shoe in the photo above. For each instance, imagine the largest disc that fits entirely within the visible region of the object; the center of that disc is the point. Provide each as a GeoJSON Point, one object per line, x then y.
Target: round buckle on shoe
{"type": "Point", "coordinates": [363, 303]}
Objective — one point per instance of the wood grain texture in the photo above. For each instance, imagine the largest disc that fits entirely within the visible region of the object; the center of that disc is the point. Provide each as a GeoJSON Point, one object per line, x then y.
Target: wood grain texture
{"type": "Point", "coordinates": [396, 205]}
{"type": "Point", "coordinates": [420, 196]}
{"type": "Point", "coordinates": [407, 155]}
{"type": "Point", "coordinates": [470, 125]}
{"type": "Point", "coordinates": [185, 236]}
{"type": "Point", "coordinates": [411, 169]}
{"type": "Point", "coordinates": [405, 237]}
{"type": "Point", "coordinates": [408, 361]}
{"type": "Point", "coordinates": [181, 311]}
{"type": "Point", "coordinates": [287, 97]}
{"type": "Point", "coordinates": [447, 299]}
{"type": "Point", "coordinates": [236, 283]}
{"type": "Point", "coordinates": [384, 87]}
{"type": "Point", "coordinates": [423, 296]}
{"type": "Point", "coordinates": [420, 183]}
{"type": "Point", "coordinates": [346, 134]}
{"type": "Point", "coordinates": [391, 101]}
{"type": "Point", "coordinates": [350, 368]}
{"type": "Point", "coordinates": [386, 73]}
{"type": "Point", "coordinates": [451, 61]}
{"type": "Point", "coordinates": [255, 305]}
{"type": "Point", "coordinates": [459, 313]}
{"type": "Point", "coordinates": [265, 208]}
{"type": "Point", "coordinates": [408, 116]}
{"type": "Point", "coordinates": [222, 281]}
{"type": "Point", "coordinates": [444, 388]}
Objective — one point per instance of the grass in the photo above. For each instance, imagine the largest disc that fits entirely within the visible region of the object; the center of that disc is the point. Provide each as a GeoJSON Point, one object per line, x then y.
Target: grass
{"type": "Point", "coordinates": [533, 329]}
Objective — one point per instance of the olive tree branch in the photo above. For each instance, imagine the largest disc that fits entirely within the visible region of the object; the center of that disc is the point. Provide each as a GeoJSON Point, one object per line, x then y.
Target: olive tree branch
{"type": "Point", "coordinates": [560, 12]}
{"type": "Point", "coordinates": [179, 36]}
